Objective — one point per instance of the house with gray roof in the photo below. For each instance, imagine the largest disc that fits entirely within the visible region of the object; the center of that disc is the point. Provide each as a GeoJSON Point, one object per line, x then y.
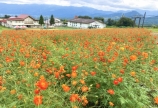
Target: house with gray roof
{"type": "Point", "coordinates": [85, 23]}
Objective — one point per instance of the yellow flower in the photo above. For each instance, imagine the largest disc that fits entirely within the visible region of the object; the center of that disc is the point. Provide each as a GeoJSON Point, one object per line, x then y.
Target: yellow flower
{"type": "Point", "coordinates": [36, 74]}
{"type": "Point", "coordinates": [13, 91]}
{"type": "Point", "coordinates": [113, 76]}
{"type": "Point", "coordinates": [111, 104]}
{"type": "Point", "coordinates": [133, 74]}
{"type": "Point", "coordinates": [151, 80]}
{"type": "Point", "coordinates": [122, 48]}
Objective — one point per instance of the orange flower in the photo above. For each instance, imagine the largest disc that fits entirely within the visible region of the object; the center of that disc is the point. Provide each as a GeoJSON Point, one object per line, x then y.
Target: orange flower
{"type": "Point", "coordinates": [27, 55]}
{"type": "Point", "coordinates": [20, 96]}
{"type": "Point", "coordinates": [42, 84]}
{"type": "Point", "coordinates": [97, 85]}
{"type": "Point", "coordinates": [37, 100]}
{"type": "Point", "coordinates": [74, 97]}
{"type": "Point", "coordinates": [37, 66]}
{"type": "Point", "coordinates": [133, 57]}
{"type": "Point", "coordinates": [82, 81]}
{"type": "Point", "coordinates": [74, 83]}
{"type": "Point", "coordinates": [65, 88]}
{"type": "Point", "coordinates": [22, 63]}
{"type": "Point", "coordinates": [93, 73]}
{"type": "Point", "coordinates": [68, 75]}
{"type": "Point", "coordinates": [74, 68]}
{"type": "Point", "coordinates": [122, 71]}
{"type": "Point", "coordinates": [84, 89]}
{"type": "Point", "coordinates": [111, 91]}
{"type": "Point", "coordinates": [156, 100]}
{"type": "Point", "coordinates": [145, 55]}
{"type": "Point", "coordinates": [74, 74]}
{"type": "Point", "coordinates": [57, 74]}
{"type": "Point", "coordinates": [37, 91]}
{"type": "Point", "coordinates": [111, 104]}
{"type": "Point", "coordinates": [133, 74]}
{"type": "Point", "coordinates": [101, 53]}
{"type": "Point", "coordinates": [36, 74]}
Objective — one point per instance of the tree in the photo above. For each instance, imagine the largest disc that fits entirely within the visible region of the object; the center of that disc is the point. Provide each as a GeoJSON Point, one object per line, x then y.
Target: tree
{"type": "Point", "coordinates": [41, 20]}
{"type": "Point", "coordinates": [85, 17]}
{"type": "Point", "coordinates": [99, 18]}
{"type": "Point", "coordinates": [124, 21]}
{"type": "Point", "coordinates": [52, 20]}
{"type": "Point", "coordinates": [7, 16]}
{"type": "Point", "coordinates": [110, 22]}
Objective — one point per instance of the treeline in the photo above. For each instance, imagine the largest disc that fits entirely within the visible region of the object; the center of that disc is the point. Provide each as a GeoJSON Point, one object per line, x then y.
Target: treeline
{"type": "Point", "coordinates": [123, 21]}
{"type": "Point", "coordinates": [95, 18]}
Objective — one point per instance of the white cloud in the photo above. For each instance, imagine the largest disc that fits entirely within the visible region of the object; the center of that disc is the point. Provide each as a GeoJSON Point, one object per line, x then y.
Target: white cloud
{"type": "Point", "coordinates": [108, 5]}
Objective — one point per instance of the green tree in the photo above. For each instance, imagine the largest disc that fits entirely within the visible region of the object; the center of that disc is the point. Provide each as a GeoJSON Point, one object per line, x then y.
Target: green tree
{"type": "Point", "coordinates": [85, 17]}
{"type": "Point", "coordinates": [99, 18]}
{"type": "Point", "coordinates": [110, 22]}
{"type": "Point", "coordinates": [7, 16]}
{"type": "Point", "coordinates": [124, 21]}
{"type": "Point", "coordinates": [41, 20]}
{"type": "Point", "coordinates": [52, 20]}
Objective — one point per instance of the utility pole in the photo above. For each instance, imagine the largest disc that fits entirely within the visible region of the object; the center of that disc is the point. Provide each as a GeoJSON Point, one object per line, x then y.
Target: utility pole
{"type": "Point", "coordinates": [143, 19]}
{"type": "Point", "coordinates": [139, 17]}
{"type": "Point", "coordinates": [139, 22]}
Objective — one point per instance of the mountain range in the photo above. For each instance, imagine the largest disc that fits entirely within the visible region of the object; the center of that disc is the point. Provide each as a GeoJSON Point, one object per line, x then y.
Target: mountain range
{"type": "Point", "coordinates": [66, 12]}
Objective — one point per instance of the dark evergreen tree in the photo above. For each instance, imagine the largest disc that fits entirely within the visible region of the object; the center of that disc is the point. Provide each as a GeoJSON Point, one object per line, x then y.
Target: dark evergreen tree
{"type": "Point", "coordinates": [7, 16]}
{"type": "Point", "coordinates": [41, 20]}
{"type": "Point", "coordinates": [52, 21]}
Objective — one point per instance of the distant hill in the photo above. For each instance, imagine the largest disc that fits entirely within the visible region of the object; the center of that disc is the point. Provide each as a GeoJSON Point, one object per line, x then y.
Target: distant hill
{"type": "Point", "coordinates": [68, 12]}
{"type": "Point", "coordinates": [58, 11]}
{"type": "Point", "coordinates": [47, 10]}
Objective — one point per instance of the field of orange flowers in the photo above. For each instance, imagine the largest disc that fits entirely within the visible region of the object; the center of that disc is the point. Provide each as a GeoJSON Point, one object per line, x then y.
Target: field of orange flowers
{"type": "Point", "coordinates": [78, 69]}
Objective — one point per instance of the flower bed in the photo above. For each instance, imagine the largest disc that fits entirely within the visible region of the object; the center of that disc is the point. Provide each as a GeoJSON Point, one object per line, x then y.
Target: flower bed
{"type": "Point", "coordinates": [78, 68]}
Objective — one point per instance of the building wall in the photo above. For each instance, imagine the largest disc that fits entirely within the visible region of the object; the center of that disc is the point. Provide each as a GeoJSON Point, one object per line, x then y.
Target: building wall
{"type": "Point", "coordinates": [77, 25]}
{"type": "Point", "coordinates": [95, 24]}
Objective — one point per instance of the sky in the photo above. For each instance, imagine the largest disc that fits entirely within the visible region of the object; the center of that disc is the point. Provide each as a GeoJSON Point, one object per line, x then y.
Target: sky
{"type": "Point", "coordinates": [106, 5]}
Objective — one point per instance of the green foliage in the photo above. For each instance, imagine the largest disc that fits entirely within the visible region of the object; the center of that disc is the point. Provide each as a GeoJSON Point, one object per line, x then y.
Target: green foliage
{"type": "Point", "coordinates": [41, 20]}
{"type": "Point", "coordinates": [124, 21]}
{"type": "Point", "coordinates": [85, 17]}
{"type": "Point", "coordinates": [98, 57]}
{"type": "Point", "coordinates": [7, 16]}
{"type": "Point", "coordinates": [99, 18]}
{"type": "Point", "coordinates": [110, 22]}
{"type": "Point", "coordinates": [52, 21]}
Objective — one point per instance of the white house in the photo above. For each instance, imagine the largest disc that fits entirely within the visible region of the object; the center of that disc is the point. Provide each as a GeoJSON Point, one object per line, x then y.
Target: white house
{"type": "Point", "coordinates": [3, 22]}
{"type": "Point", "coordinates": [57, 22]}
{"type": "Point", "coordinates": [85, 23]}
{"type": "Point", "coordinates": [22, 20]}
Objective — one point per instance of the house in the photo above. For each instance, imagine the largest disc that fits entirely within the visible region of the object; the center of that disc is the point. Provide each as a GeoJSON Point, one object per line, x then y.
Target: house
{"type": "Point", "coordinates": [85, 23]}
{"type": "Point", "coordinates": [56, 20]}
{"type": "Point", "coordinates": [3, 22]}
{"type": "Point", "coordinates": [22, 20]}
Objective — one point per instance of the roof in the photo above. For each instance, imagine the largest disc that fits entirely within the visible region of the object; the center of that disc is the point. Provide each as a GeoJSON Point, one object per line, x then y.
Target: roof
{"type": "Point", "coordinates": [23, 16]}
{"type": "Point", "coordinates": [3, 20]}
{"type": "Point", "coordinates": [20, 18]}
{"type": "Point", "coordinates": [15, 19]}
{"type": "Point", "coordinates": [81, 20]}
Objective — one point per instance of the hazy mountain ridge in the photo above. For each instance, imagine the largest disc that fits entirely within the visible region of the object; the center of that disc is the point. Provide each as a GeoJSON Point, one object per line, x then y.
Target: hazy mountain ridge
{"type": "Point", "coordinates": [68, 12]}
